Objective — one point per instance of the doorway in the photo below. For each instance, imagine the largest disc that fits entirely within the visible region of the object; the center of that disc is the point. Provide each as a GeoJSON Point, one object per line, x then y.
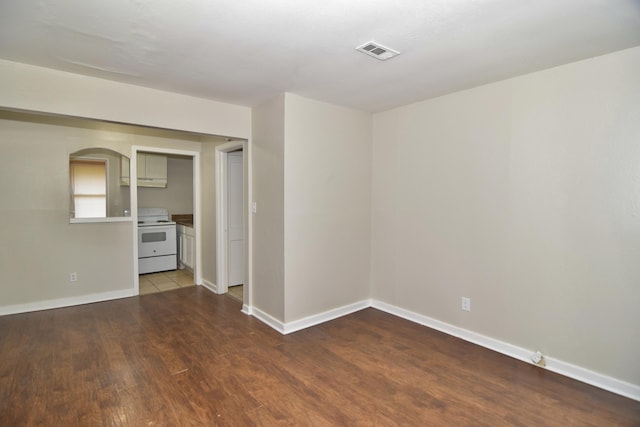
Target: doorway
{"type": "Point", "coordinates": [233, 222]}
{"type": "Point", "coordinates": [181, 279]}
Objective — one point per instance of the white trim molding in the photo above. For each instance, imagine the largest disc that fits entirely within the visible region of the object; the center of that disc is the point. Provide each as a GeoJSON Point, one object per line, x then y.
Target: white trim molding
{"type": "Point", "coordinates": [210, 286]}
{"type": "Point", "coordinates": [66, 302]}
{"type": "Point", "coordinates": [316, 319]}
{"type": "Point", "coordinates": [614, 385]}
{"type": "Point", "coordinates": [220, 159]}
{"type": "Point", "coordinates": [306, 322]}
{"type": "Point", "coordinates": [268, 320]}
{"type": "Point", "coordinates": [473, 337]}
{"type": "Point", "coordinates": [578, 373]}
{"type": "Point", "coordinates": [595, 379]}
{"type": "Point", "coordinates": [197, 205]}
{"type": "Point", "coordinates": [246, 309]}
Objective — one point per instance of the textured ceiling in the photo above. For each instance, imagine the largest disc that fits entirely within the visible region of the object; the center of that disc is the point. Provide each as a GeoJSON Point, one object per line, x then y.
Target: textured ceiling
{"type": "Point", "coordinates": [246, 51]}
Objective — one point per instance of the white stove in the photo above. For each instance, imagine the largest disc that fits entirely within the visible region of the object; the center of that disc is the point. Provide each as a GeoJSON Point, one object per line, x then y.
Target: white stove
{"type": "Point", "coordinates": [153, 216]}
{"type": "Point", "coordinates": [157, 249]}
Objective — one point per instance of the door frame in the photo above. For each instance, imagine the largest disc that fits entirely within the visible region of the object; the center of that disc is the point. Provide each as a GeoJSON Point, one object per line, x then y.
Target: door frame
{"type": "Point", "coordinates": [222, 250]}
{"type": "Point", "coordinates": [197, 207]}
{"type": "Point", "coordinates": [233, 190]}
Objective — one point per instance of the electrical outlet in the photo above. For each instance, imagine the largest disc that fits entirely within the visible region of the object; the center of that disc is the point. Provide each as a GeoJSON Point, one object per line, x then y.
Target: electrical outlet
{"type": "Point", "coordinates": [466, 304]}
{"type": "Point", "coordinates": [73, 277]}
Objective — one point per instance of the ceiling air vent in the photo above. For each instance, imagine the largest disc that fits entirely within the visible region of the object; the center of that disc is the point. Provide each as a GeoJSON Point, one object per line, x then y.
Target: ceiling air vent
{"type": "Point", "coordinates": [377, 51]}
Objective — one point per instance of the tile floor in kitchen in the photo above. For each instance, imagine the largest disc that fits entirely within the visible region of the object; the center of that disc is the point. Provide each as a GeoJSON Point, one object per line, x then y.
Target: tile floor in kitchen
{"type": "Point", "coordinates": [165, 281]}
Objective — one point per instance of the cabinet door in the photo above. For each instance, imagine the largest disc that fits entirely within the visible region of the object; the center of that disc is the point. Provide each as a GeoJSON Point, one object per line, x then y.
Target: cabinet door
{"type": "Point", "coordinates": [189, 244]}
{"type": "Point", "coordinates": [124, 170]}
{"type": "Point", "coordinates": [156, 166]}
{"type": "Point", "coordinates": [152, 170]}
{"type": "Point", "coordinates": [180, 248]}
{"type": "Point", "coordinates": [141, 162]}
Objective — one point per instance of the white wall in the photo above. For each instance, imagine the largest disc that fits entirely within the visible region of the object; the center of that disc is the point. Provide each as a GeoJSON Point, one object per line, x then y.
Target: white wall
{"type": "Point", "coordinates": [268, 222]}
{"type": "Point", "coordinates": [178, 195]}
{"type": "Point", "coordinates": [27, 87]}
{"type": "Point", "coordinates": [40, 246]}
{"type": "Point", "coordinates": [312, 186]}
{"type": "Point", "coordinates": [327, 206]}
{"type": "Point", "coordinates": [32, 88]}
{"type": "Point", "coordinates": [523, 195]}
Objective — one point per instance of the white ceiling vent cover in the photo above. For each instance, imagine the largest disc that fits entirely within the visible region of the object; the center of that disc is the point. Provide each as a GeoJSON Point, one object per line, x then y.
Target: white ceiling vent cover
{"type": "Point", "coordinates": [377, 51]}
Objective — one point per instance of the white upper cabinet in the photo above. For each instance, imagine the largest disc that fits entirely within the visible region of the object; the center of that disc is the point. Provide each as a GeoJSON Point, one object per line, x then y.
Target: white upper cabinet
{"type": "Point", "coordinates": [152, 170]}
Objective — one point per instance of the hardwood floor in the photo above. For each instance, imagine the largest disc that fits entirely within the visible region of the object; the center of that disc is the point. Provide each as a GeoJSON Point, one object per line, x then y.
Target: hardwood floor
{"type": "Point", "coordinates": [189, 357]}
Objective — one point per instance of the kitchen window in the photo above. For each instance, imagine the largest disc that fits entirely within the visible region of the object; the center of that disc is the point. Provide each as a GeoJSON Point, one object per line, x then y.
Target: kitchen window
{"type": "Point", "coordinates": [89, 188]}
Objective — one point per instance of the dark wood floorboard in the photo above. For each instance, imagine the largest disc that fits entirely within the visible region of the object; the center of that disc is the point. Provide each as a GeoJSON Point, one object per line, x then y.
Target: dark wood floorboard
{"type": "Point", "coordinates": [190, 358]}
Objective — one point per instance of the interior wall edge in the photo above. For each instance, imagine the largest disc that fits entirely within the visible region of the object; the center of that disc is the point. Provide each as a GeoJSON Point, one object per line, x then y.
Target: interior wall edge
{"type": "Point", "coordinates": [268, 320]}
{"type": "Point", "coordinates": [210, 286]}
{"type": "Point", "coordinates": [326, 316]}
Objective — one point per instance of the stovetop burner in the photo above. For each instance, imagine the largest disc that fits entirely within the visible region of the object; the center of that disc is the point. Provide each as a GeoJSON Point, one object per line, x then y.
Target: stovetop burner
{"type": "Point", "coordinates": [153, 216]}
{"type": "Point", "coordinates": [157, 222]}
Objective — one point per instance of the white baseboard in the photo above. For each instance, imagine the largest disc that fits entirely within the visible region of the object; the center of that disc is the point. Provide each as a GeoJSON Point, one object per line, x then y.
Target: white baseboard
{"type": "Point", "coordinates": [211, 286]}
{"type": "Point", "coordinates": [306, 322]}
{"type": "Point", "coordinates": [246, 309]}
{"type": "Point", "coordinates": [596, 379]}
{"type": "Point", "coordinates": [482, 340]}
{"type": "Point", "coordinates": [66, 302]}
{"type": "Point", "coordinates": [317, 319]}
{"type": "Point", "coordinates": [268, 320]}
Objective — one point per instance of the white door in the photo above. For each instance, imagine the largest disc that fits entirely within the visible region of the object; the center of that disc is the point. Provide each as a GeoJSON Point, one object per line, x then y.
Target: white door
{"type": "Point", "coordinates": [235, 218]}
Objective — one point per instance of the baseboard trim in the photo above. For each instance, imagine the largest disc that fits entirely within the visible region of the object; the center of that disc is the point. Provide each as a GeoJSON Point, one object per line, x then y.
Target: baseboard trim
{"type": "Point", "coordinates": [246, 309]}
{"type": "Point", "coordinates": [595, 379]}
{"type": "Point", "coordinates": [326, 316]}
{"type": "Point", "coordinates": [307, 322]}
{"type": "Point", "coordinates": [473, 337]}
{"type": "Point", "coordinates": [211, 286]}
{"type": "Point", "coordinates": [268, 320]}
{"type": "Point", "coordinates": [66, 302]}
{"type": "Point", "coordinates": [566, 369]}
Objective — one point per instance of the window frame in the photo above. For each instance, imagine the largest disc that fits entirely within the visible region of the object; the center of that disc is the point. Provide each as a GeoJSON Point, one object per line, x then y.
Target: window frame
{"type": "Point", "coordinates": [104, 196]}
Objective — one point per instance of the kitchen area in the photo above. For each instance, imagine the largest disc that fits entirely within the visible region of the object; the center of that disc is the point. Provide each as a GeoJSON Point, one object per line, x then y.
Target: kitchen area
{"type": "Point", "coordinates": [166, 235]}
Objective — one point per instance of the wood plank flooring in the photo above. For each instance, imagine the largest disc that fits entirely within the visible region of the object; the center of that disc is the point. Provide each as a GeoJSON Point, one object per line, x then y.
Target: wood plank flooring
{"type": "Point", "coordinates": [189, 357]}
